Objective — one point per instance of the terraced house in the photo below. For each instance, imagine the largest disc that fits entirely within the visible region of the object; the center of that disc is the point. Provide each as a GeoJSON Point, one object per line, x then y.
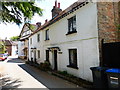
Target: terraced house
{"type": "Point", "coordinates": [71, 40]}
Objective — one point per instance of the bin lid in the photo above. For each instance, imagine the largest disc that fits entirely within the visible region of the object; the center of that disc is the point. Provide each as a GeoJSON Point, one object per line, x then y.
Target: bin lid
{"type": "Point", "coordinates": [113, 70]}
{"type": "Point", "coordinates": [99, 68]}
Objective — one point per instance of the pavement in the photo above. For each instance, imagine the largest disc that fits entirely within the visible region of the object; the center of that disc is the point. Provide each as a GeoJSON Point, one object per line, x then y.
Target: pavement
{"type": "Point", "coordinates": [16, 74]}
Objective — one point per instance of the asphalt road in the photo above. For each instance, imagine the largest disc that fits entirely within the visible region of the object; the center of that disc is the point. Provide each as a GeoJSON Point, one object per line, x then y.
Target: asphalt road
{"type": "Point", "coordinates": [16, 74]}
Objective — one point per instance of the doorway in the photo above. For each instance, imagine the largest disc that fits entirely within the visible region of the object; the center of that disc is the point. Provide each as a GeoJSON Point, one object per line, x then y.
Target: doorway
{"type": "Point", "coordinates": [35, 56]}
{"type": "Point", "coordinates": [47, 55]}
{"type": "Point", "coordinates": [55, 60]}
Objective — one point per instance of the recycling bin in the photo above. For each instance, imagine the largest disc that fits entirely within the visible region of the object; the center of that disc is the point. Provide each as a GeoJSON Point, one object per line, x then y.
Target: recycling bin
{"type": "Point", "coordinates": [99, 77]}
{"type": "Point", "coordinates": [113, 76]}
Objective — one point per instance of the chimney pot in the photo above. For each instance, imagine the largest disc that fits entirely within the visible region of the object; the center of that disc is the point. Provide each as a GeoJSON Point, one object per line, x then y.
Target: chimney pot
{"type": "Point", "coordinates": [58, 5]}
{"type": "Point", "coordinates": [55, 3]}
{"type": "Point", "coordinates": [46, 21]}
{"type": "Point", "coordinates": [53, 6]}
{"type": "Point", "coordinates": [38, 24]}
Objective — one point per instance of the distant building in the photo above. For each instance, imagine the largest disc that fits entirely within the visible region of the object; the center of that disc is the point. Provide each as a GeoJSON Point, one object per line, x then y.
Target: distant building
{"type": "Point", "coordinates": [23, 41]}
{"type": "Point", "coordinates": [2, 47]}
{"type": "Point", "coordinates": [11, 47]}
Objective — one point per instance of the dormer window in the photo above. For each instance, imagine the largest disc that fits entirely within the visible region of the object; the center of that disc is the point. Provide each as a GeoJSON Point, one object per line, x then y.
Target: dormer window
{"type": "Point", "coordinates": [72, 25]}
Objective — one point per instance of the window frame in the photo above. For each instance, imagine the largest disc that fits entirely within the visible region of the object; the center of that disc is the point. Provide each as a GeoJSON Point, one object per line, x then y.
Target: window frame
{"type": "Point", "coordinates": [71, 25]}
{"type": "Point", "coordinates": [38, 51]}
{"type": "Point", "coordinates": [47, 55]}
{"type": "Point", "coordinates": [47, 35]}
{"type": "Point", "coordinates": [38, 37]}
{"type": "Point", "coordinates": [72, 64]}
{"type": "Point", "coordinates": [30, 40]}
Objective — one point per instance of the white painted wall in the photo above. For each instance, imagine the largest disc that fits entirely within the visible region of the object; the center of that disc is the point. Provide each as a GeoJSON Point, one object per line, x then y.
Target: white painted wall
{"type": "Point", "coordinates": [14, 50]}
{"type": "Point", "coordinates": [20, 48]}
{"type": "Point", "coordinates": [85, 41]}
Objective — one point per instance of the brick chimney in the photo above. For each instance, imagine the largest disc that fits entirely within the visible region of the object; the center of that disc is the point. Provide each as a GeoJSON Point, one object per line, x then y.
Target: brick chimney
{"type": "Point", "coordinates": [38, 24]}
{"type": "Point", "coordinates": [56, 10]}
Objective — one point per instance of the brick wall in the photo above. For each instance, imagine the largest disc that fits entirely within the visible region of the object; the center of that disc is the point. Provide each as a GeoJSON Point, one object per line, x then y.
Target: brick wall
{"type": "Point", "coordinates": [108, 20]}
{"type": "Point", "coordinates": [9, 50]}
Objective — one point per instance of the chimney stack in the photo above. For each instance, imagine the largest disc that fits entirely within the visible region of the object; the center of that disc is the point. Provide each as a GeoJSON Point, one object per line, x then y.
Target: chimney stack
{"type": "Point", "coordinates": [56, 10]}
{"type": "Point", "coordinates": [55, 3]}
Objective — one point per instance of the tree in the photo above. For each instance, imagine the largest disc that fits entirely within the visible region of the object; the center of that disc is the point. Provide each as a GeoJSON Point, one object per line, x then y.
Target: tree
{"type": "Point", "coordinates": [14, 38]}
{"type": "Point", "coordinates": [2, 47]}
{"type": "Point", "coordinates": [18, 12]}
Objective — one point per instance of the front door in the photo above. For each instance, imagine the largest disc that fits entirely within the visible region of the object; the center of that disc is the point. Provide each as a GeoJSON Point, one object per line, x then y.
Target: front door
{"type": "Point", "coordinates": [55, 59]}
{"type": "Point", "coordinates": [47, 55]}
{"type": "Point", "coordinates": [35, 56]}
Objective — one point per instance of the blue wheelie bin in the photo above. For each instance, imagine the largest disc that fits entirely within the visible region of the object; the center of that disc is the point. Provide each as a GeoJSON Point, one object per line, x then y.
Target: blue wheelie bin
{"type": "Point", "coordinates": [113, 76]}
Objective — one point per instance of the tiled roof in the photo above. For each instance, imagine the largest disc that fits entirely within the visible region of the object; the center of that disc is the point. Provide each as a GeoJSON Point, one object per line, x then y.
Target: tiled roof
{"type": "Point", "coordinates": [9, 43]}
{"type": "Point", "coordinates": [75, 6]}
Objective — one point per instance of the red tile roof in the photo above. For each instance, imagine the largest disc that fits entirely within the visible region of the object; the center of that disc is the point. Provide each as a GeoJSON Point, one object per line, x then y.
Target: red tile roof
{"type": "Point", "coordinates": [9, 43]}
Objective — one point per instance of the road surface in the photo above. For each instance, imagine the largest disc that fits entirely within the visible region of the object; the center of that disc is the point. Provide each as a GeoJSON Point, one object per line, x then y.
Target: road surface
{"type": "Point", "coordinates": [16, 74]}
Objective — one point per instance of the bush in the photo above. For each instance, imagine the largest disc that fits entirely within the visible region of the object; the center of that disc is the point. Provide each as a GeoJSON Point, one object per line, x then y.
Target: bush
{"type": "Point", "coordinates": [45, 66]}
{"type": "Point", "coordinates": [27, 62]}
{"type": "Point", "coordinates": [73, 79]}
{"type": "Point", "coordinates": [63, 73]}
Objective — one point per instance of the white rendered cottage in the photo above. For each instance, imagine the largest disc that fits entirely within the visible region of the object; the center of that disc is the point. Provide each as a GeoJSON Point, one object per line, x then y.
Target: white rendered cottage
{"type": "Point", "coordinates": [69, 41]}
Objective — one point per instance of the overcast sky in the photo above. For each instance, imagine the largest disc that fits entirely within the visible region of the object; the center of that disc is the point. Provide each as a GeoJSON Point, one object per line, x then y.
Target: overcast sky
{"type": "Point", "coordinates": [10, 30]}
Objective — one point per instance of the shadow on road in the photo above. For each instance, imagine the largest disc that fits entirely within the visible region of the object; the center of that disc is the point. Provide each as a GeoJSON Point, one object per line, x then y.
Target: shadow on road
{"type": "Point", "coordinates": [8, 83]}
{"type": "Point", "coordinates": [29, 70]}
{"type": "Point", "coordinates": [46, 79]}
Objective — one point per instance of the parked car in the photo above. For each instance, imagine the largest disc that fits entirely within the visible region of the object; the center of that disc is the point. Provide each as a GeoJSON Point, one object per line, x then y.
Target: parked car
{"type": "Point", "coordinates": [6, 55]}
{"type": "Point", "coordinates": [2, 57]}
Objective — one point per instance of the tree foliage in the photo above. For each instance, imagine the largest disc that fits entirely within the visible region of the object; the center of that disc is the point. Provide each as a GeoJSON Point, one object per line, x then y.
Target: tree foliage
{"type": "Point", "coordinates": [2, 47]}
{"type": "Point", "coordinates": [15, 11]}
{"type": "Point", "coordinates": [14, 38]}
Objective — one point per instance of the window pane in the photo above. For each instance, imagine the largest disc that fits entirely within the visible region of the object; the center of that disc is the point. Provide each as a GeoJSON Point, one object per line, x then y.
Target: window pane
{"type": "Point", "coordinates": [73, 57]}
{"type": "Point", "coordinates": [72, 24]}
{"type": "Point", "coordinates": [38, 37]}
{"type": "Point", "coordinates": [38, 53]}
{"type": "Point", "coordinates": [47, 34]}
{"type": "Point", "coordinates": [47, 55]}
{"type": "Point", "coordinates": [31, 40]}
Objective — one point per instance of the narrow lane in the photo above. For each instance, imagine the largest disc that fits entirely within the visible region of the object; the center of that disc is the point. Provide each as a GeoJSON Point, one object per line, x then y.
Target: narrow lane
{"type": "Point", "coordinates": [26, 76]}
{"type": "Point", "coordinates": [15, 77]}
